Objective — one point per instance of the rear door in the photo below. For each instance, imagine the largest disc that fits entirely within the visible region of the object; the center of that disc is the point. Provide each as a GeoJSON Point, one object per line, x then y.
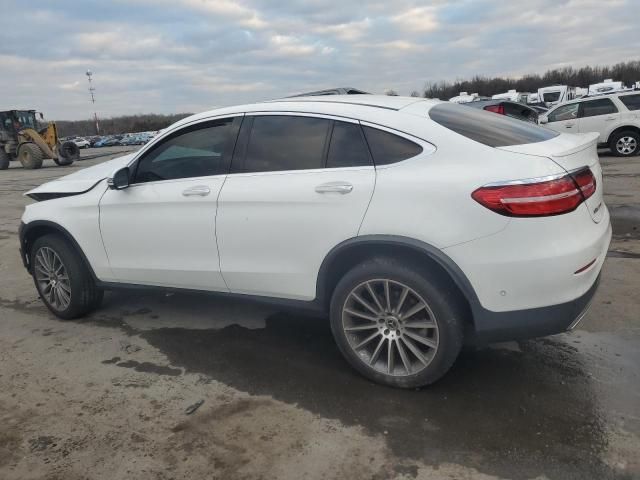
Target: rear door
{"type": "Point", "coordinates": [564, 119]}
{"type": "Point", "coordinates": [299, 185]}
{"type": "Point", "coordinates": [599, 115]}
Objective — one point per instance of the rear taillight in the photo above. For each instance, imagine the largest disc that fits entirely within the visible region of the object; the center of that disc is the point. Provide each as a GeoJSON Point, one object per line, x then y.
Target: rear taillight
{"type": "Point", "coordinates": [538, 197]}
{"type": "Point", "coordinates": [495, 109]}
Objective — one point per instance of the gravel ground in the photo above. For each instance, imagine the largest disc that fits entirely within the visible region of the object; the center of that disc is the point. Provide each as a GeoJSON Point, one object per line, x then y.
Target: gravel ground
{"type": "Point", "coordinates": [106, 397]}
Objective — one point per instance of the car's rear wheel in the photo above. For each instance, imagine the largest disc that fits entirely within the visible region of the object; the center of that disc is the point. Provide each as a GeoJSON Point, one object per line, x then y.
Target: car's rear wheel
{"type": "Point", "coordinates": [62, 279]}
{"type": "Point", "coordinates": [625, 144]}
{"type": "Point", "coordinates": [397, 325]}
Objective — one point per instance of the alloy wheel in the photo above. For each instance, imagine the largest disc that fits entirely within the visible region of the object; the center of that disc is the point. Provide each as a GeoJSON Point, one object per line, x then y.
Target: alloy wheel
{"type": "Point", "coordinates": [52, 278]}
{"type": "Point", "coordinates": [626, 145]}
{"type": "Point", "coordinates": [390, 327]}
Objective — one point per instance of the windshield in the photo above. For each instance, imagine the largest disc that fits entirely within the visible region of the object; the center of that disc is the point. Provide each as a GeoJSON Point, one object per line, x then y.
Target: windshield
{"type": "Point", "coordinates": [26, 119]}
{"type": "Point", "coordinates": [488, 128]}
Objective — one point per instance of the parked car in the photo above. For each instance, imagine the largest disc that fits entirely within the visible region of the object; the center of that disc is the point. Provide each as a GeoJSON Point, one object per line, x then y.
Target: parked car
{"type": "Point", "coordinates": [81, 142]}
{"type": "Point", "coordinates": [276, 201]}
{"type": "Point", "coordinates": [508, 108]}
{"type": "Point", "coordinates": [539, 108]}
{"type": "Point", "coordinates": [615, 117]}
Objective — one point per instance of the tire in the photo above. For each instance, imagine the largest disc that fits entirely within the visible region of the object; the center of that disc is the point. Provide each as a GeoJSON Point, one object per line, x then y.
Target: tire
{"type": "Point", "coordinates": [30, 156]}
{"type": "Point", "coordinates": [4, 159]}
{"type": "Point", "coordinates": [68, 152]}
{"type": "Point", "coordinates": [83, 296]}
{"type": "Point", "coordinates": [625, 143]}
{"type": "Point", "coordinates": [444, 313]}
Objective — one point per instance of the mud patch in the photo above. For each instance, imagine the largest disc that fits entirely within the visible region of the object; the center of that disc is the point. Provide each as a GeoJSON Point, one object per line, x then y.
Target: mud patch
{"type": "Point", "coordinates": [148, 367]}
{"type": "Point", "coordinates": [516, 414]}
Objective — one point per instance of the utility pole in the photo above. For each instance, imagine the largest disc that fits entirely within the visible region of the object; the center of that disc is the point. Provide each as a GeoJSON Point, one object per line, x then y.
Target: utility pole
{"type": "Point", "coordinates": [93, 100]}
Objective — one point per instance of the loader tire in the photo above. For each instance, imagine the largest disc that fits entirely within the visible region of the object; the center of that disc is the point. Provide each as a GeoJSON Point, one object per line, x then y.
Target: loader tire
{"type": "Point", "coordinates": [30, 156]}
{"type": "Point", "coordinates": [68, 152]}
{"type": "Point", "coordinates": [4, 159]}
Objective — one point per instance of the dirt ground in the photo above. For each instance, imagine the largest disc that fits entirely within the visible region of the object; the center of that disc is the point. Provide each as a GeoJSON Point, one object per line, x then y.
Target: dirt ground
{"type": "Point", "coordinates": [106, 397]}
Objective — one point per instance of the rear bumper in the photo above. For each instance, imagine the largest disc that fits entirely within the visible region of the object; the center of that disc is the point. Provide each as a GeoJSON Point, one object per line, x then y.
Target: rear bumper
{"type": "Point", "coordinates": [533, 322]}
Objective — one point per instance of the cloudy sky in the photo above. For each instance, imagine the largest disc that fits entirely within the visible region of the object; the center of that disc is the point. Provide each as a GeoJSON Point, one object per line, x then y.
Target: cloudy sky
{"type": "Point", "coordinates": [169, 56]}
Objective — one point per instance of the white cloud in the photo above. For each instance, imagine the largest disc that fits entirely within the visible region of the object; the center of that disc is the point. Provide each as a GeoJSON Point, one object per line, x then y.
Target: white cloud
{"type": "Point", "coordinates": [176, 55]}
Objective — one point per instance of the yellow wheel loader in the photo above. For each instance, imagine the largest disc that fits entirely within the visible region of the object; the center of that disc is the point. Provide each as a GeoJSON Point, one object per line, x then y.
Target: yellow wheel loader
{"type": "Point", "coordinates": [22, 139]}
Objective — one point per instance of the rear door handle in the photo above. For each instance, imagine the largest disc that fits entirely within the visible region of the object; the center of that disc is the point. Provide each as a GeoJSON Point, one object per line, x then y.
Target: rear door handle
{"type": "Point", "coordinates": [197, 191]}
{"type": "Point", "coordinates": [610, 118]}
{"type": "Point", "coordinates": [335, 187]}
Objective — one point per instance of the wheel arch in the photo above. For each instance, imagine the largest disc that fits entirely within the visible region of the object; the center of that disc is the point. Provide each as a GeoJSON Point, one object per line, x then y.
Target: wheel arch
{"type": "Point", "coordinates": [31, 231]}
{"type": "Point", "coordinates": [632, 128]}
{"type": "Point", "coordinates": [350, 252]}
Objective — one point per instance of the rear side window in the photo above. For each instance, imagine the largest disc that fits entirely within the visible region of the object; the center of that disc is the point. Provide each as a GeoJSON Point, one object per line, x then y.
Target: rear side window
{"type": "Point", "coordinates": [593, 108]}
{"type": "Point", "coordinates": [488, 128]}
{"type": "Point", "coordinates": [347, 148]}
{"type": "Point", "coordinates": [632, 102]}
{"type": "Point", "coordinates": [285, 143]}
{"type": "Point", "coordinates": [521, 112]}
{"type": "Point", "coordinates": [388, 148]}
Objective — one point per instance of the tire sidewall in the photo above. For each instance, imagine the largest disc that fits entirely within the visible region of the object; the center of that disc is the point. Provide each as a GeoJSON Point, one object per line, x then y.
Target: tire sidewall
{"type": "Point", "coordinates": [618, 136]}
{"type": "Point", "coordinates": [75, 271]}
{"type": "Point", "coordinates": [441, 298]}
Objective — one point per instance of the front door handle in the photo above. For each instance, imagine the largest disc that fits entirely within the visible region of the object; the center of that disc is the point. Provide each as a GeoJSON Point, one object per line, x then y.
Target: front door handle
{"type": "Point", "coordinates": [335, 187]}
{"type": "Point", "coordinates": [569, 125]}
{"type": "Point", "coordinates": [197, 191]}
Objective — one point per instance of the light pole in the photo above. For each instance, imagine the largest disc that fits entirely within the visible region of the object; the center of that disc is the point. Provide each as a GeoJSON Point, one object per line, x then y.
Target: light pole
{"type": "Point", "coordinates": [93, 100]}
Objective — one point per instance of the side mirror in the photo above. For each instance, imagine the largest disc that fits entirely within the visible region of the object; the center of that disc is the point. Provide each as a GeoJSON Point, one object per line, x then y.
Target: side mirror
{"type": "Point", "coordinates": [542, 119]}
{"type": "Point", "coordinates": [120, 179]}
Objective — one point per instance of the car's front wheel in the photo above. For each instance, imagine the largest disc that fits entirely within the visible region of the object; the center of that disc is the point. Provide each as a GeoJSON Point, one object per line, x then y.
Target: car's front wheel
{"type": "Point", "coordinates": [397, 325]}
{"type": "Point", "coordinates": [62, 279]}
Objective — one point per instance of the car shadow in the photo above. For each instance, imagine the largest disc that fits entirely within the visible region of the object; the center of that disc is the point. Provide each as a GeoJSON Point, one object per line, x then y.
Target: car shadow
{"type": "Point", "coordinates": [515, 410]}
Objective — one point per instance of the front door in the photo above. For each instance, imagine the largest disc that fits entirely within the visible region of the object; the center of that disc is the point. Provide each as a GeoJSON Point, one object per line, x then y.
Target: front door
{"type": "Point", "coordinates": [299, 185]}
{"type": "Point", "coordinates": [564, 119]}
{"type": "Point", "coordinates": [161, 229]}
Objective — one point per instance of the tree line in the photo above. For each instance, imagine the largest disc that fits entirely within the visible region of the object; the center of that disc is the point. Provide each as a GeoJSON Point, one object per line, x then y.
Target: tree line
{"type": "Point", "coordinates": [116, 125]}
{"type": "Point", "coordinates": [626, 72]}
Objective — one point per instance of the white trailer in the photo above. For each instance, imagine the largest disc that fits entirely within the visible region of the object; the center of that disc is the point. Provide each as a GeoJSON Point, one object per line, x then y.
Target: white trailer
{"type": "Point", "coordinates": [512, 95]}
{"type": "Point", "coordinates": [607, 86]}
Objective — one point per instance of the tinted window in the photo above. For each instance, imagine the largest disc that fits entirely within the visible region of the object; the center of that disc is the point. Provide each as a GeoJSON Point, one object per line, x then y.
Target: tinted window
{"type": "Point", "coordinates": [347, 147]}
{"type": "Point", "coordinates": [195, 151]}
{"type": "Point", "coordinates": [521, 112]}
{"type": "Point", "coordinates": [388, 148]}
{"type": "Point", "coordinates": [593, 108]}
{"type": "Point", "coordinates": [551, 97]}
{"type": "Point", "coordinates": [632, 102]}
{"type": "Point", "coordinates": [565, 112]}
{"type": "Point", "coordinates": [286, 143]}
{"type": "Point", "coordinates": [488, 128]}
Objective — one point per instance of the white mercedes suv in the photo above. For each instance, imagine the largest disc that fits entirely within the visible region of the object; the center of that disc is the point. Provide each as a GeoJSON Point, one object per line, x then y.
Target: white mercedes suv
{"type": "Point", "coordinates": [416, 225]}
